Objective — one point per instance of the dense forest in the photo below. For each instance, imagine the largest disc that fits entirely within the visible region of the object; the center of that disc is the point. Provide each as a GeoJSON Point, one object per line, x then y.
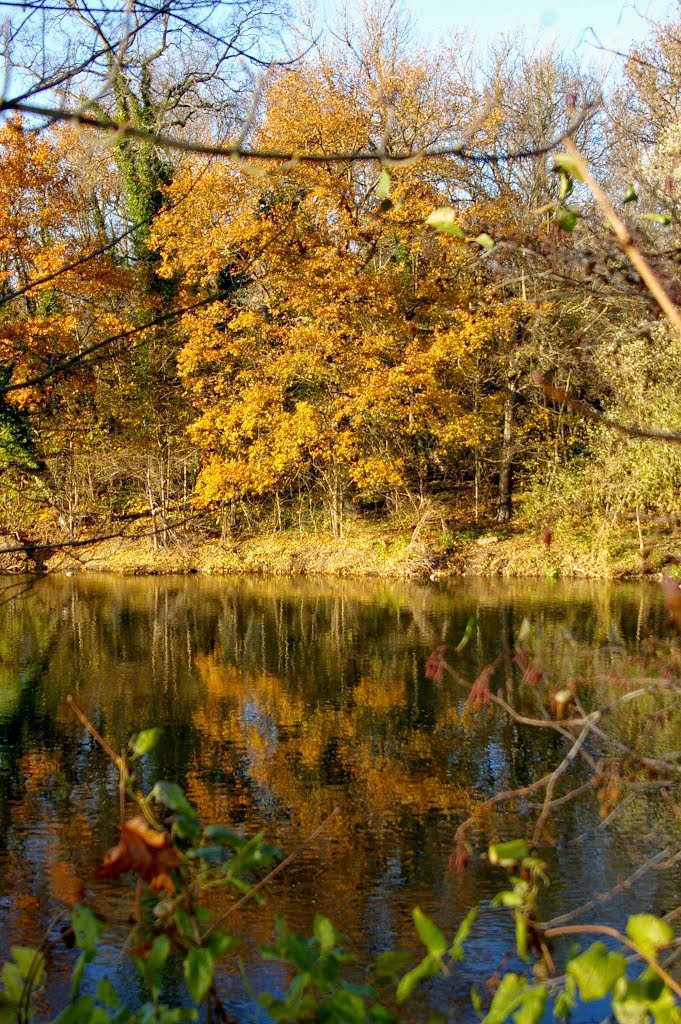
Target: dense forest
{"type": "Point", "coordinates": [341, 324]}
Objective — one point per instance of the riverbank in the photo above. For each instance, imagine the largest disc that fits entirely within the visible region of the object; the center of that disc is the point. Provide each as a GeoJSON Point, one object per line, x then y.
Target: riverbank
{"type": "Point", "coordinates": [375, 549]}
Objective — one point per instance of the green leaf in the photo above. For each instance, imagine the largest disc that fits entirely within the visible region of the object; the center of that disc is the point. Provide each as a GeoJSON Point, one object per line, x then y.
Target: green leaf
{"type": "Point", "coordinates": [631, 196]}
{"type": "Point", "coordinates": [224, 836]}
{"type": "Point", "coordinates": [596, 970]}
{"type": "Point", "coordinates": [12, 981]}
{"type": "Point", "coordinates": [107, 994]}
{"type": "Point", "coordinates": [444, 219]}
{"type": "Point", "coordinates": [649, 933]}
{"type": "Point", "coordinates": [565, 1001]}
{"type": "Point", "coordinates": [390, 965]}
{"type": "Point", "coordinates": [143, 742]}
{"type": "Point", "coordinates": [566, 217]}
{"type": "Point", "coordinates": [324, 933]}
{"type": "Point", "coordinates": [31, 963]}
{"type": "Point", "coordinates": [198, 972]}
{"type": "Point", "coordinates": [507, 998]}
{"type": "Point", "coordinates": [383, 184]}
{"type": "Point", "coordinates": [533, 1005]}
{"type": "Point", "coordinates": [86, 929]}
{"type": "Point", "coordinates": [208, 853]}
{"type": "Point", "coordinates": [173, 796]}
{"type": "Point", "coordinates": [186, 828]}
{"type": "Point", "coordinates": [467, 634]}
{"type": "Point", "coordinates": [631, 1000]}
{"type": "Point", "coordinates": [429, 933]}
{"type": "Point", "coordinates": [568, 164]}
{"type": "Point", "coordinates": [463, 931]}
{"type": "Point", "coordinates": [657, 218]}
{"type": "Point", "coordinates": [505, 855]}
{"type": "Point", "coordinates": [429, 966]}
{"type": "Point", "coordinates": [565, 185]}
{"type": "Point", "coordinates": [484, 240]}
{"type": "Point", "coordinates": [82, 1011]}
{"type": "Point", "coordinates": [219, 943]}
{"type": "Point", "coordinates": [78, 974]}
{"type": "Point", "coordinates": [156, 961]}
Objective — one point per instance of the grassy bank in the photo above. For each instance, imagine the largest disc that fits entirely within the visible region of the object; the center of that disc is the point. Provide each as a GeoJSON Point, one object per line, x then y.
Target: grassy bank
{"type": "Point", "coordinates": [378, 548]}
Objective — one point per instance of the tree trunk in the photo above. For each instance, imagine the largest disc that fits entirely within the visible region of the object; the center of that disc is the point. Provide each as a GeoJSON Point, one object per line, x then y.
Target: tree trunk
{"type": "Point", "coordinates": [505, 509]}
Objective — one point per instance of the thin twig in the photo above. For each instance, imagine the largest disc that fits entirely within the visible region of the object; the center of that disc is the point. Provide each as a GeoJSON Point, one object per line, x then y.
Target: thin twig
{"type": "Point", "coordinates": [623, 886]}
{"type": "Point", "coordinates": [275, 871]}
{"type": "Point", "coordinates": [625, 239]}
{"type": "Point", "coordinates": [87, 724]}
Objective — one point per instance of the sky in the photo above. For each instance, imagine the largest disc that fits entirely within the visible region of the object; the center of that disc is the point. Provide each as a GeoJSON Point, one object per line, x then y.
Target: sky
{"type": "Point", "coordinates": [615, 22]}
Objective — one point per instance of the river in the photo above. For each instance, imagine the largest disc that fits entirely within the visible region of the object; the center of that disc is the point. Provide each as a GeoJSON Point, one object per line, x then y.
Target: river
{"type": "Point", "coordinates": [281, 700]}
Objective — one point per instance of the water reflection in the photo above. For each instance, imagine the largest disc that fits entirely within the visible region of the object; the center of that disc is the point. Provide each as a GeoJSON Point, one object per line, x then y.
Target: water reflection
{"type": "Point", "coordinates": [281, 700]}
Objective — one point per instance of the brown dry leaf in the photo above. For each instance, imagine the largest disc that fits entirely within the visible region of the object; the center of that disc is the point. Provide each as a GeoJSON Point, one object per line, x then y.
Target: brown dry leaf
{"type": "Point", "coordinates": [144, 850]}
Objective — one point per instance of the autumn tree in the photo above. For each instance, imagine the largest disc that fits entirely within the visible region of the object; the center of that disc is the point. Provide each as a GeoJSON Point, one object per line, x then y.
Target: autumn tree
{"type": "Point", "coordinates": [338, 365]}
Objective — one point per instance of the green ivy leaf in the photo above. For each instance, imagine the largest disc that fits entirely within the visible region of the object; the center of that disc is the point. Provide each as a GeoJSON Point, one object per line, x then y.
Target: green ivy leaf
{"type": "Point", "coordinates": [596, 971]}
{"type": "Point", "coordinates": [198, 972]}
{"type": "Point", "coordinates": [444, 219]}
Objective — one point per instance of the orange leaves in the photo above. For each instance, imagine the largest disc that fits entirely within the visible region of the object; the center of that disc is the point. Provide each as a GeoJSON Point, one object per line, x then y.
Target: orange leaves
{"type": "Point", "coordinates": [144, 850]}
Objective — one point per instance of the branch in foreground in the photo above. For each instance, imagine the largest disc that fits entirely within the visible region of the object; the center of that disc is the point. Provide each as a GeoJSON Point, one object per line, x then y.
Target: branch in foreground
{"type": "Point", "coordinates": [123, 130]}
{"type": "Point", "coordinates": [589, 413]}
{"type": "Point", "coordinates": [625, 239]}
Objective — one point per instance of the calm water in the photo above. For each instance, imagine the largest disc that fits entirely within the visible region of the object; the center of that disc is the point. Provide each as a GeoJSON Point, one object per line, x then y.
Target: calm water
{"type": "Point", "coordinates": [281, 700]}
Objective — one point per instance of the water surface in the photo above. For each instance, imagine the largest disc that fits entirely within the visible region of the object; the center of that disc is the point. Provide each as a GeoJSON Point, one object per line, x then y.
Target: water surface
{"type": "Point", "coordinates": [281, 700]}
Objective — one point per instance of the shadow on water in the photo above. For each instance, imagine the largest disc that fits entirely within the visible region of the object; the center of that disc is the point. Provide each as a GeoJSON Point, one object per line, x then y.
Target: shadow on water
{"type": "Point", "coordinates": [281, 700]}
